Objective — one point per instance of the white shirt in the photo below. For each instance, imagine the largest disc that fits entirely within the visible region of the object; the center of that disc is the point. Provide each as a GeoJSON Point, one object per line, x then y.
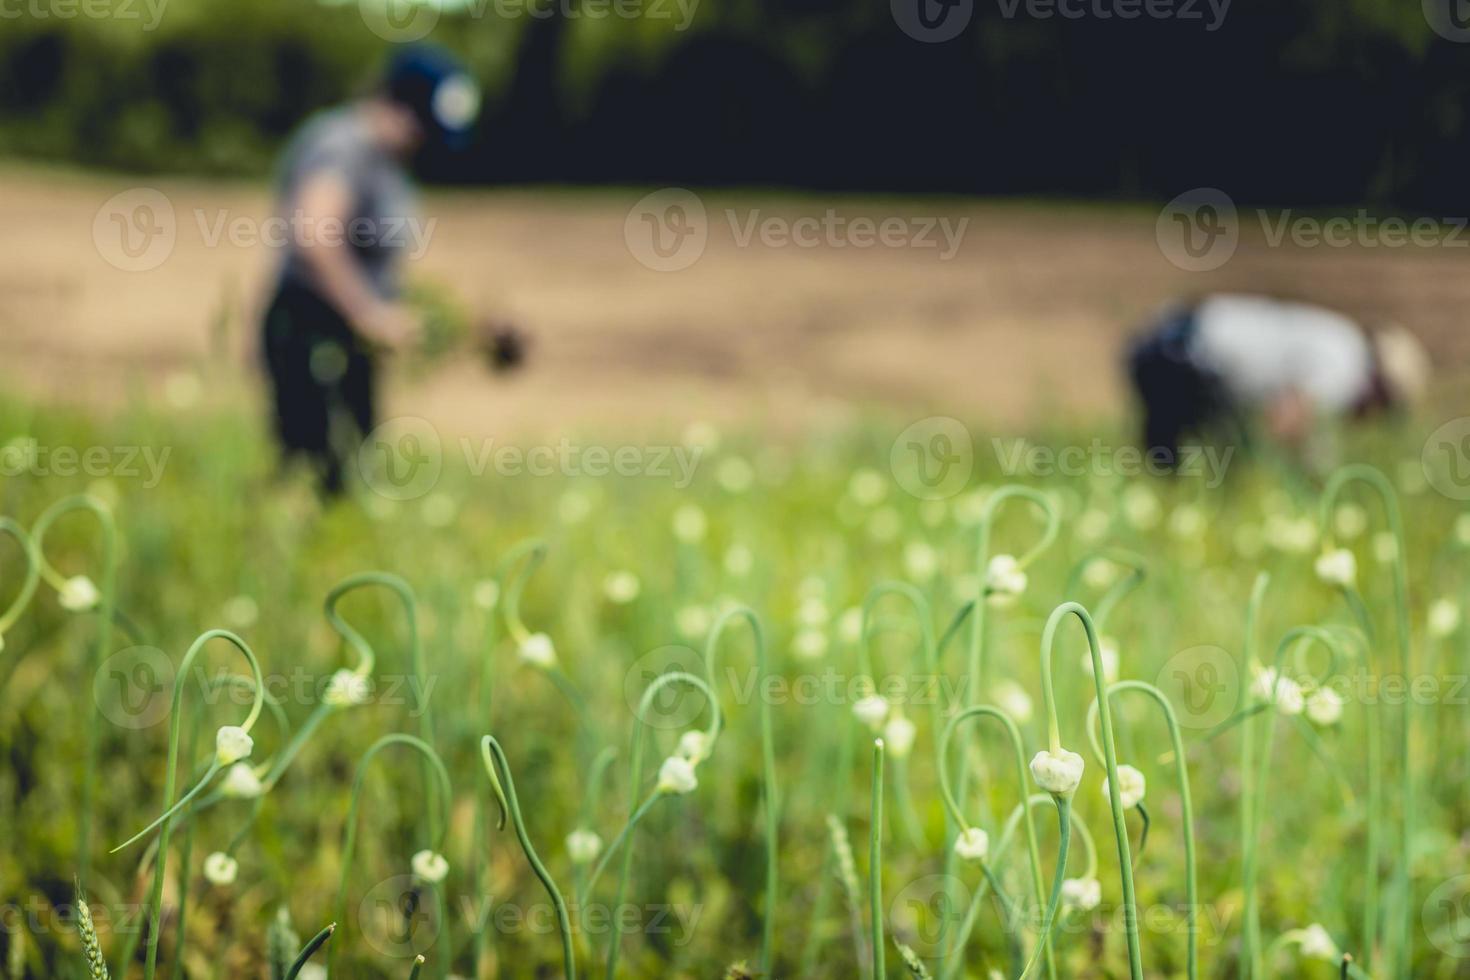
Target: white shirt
{"type": "Point", "coordinates": [1262, 348]}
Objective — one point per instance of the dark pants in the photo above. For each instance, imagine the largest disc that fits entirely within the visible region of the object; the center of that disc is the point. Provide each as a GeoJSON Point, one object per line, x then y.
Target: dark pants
{"type": "Point", "coordinates": [1179, 397]}
{"type": "Point", "coordinates": [322, 380]}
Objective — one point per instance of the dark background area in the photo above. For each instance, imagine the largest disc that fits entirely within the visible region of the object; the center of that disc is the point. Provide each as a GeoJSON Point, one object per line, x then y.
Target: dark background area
{"type": "Point", "coordinates": [1300, 102]}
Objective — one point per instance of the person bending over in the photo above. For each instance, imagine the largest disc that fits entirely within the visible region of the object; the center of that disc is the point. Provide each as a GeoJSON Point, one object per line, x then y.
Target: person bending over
{"type": "Point", "coordinates": [1243, 363]}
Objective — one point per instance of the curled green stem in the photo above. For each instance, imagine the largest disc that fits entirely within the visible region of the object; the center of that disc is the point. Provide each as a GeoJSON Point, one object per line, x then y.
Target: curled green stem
{"type": "Point", "coordinates": [952, 803]}
{"type": "Point", "coordinates": [155, 900]}
{"type": "Point", "coordinates": [1181, 775]}
{"type": "Point", "coordinates": [770, 790]}
{"type": "Point", "coordinates": [1110, 756]}
{"type": "Point", "coordinates": [439, 827]}
{"type": "Point", "coordinates": [504, 787]}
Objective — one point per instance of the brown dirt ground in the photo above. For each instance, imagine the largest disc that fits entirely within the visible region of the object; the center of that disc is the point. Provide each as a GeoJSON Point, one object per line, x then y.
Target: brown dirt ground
{"type": "Point", "coordinates": [1029, 315]}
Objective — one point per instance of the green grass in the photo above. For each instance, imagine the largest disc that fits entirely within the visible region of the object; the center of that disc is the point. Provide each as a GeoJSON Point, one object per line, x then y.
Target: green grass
{"type": "Point", "coordinates": [1282, 821]}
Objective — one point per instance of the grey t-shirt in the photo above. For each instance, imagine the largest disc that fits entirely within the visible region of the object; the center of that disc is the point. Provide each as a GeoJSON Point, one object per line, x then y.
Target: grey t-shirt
{"type": "Point", "coordinates": [1261, 348]}
{"type": "Point", "coordinates": [383, 222]}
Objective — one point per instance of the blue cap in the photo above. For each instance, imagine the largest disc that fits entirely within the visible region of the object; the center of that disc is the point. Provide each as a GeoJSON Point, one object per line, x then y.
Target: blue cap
{"type": "Point", "coordinates": [437, 88]}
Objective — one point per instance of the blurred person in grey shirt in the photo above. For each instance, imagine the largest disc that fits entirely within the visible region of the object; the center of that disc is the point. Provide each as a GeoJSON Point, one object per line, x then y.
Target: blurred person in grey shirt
{"type": "Point", "coordinates": [345, 193]}
{"type": "Point", "coordinates": [1248, 363]}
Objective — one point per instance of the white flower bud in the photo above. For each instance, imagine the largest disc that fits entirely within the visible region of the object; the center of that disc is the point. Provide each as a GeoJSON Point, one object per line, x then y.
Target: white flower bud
{"type": "Point", "coordinates": [486, 594]}
{"type": "Point", "coordinates": [871, 710]}
{"type": "Point", "coordinates": [583, 846]}
{"type": "Point", "coordinates": [972, 844]}
{"type": "Point", "coordinates": [809, 644]}
{"type": "Point", "coordinates": [221, 869]}
{"type": "Point", "coordinates": [1324, 706]}
{"type": "Point", "coordinates": [1059, 772]}
{"type": "Point", "coordinates": [231, 744]}
{"type": "Point", "coordinates": [898, 734]}
{"type": "Point", "coordinates": [694, 746]}
{"type": "Point", "coordinates": [241, 782]}
{"type": "Point", "coordinates": [1131, 786]}
{"type": "Point", "coordinates": [429, 866]}
{"type": "Point", "coordinates": [621, 588]}
{"type": "Point", "coordinates": [812, 612]}
{"type": "Point", "coordinates": [1141, 507]}
{"type": "Point", "coordinates": [1337, 567]}
{"type": "Point", "coordinates": [1444, 618]}
{"type": "Point", "coordinates": [1385, 547]}
{"type": "Point", "coordinates": [1004, 581]}
{"type": "Point", "coordinates": [1013, 698]}
{"type": "Point", "coordinates": [1081, 893]}
{"type": "Point", "coordinates": [78, 594]}
{"type": "Point", "coordinates": [1107, 652]}
{"type": "Point", "coordinates": [690, 524]}
{"type": "Point", "coordinates": [1285, 693]}
{"type": "Point", "coordinates": [920, 560]}
{"type": "Point", "coordinates": [538, 651]}
{"type": "Point", "coordinates": [676, 775]}
{"type": "Point", "coordinates": [1317, 943]}
{"type": "Point", "coordinates": [345, 688]}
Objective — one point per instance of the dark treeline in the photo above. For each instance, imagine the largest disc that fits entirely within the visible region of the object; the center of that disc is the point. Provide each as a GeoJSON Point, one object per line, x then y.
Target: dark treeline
{"type": "Point", "coordinates": [1318, 103]}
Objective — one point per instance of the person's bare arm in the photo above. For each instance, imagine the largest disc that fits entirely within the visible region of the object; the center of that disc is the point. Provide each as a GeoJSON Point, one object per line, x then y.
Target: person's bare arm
{"type": "Point", "coordinates": [1289, 418]}
{"type": "Point", "coordinates": [325, 205]}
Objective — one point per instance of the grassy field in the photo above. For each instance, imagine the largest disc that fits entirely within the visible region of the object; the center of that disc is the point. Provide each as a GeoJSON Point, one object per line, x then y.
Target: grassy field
{"type": "Point", "coordinates": [1316, 829]}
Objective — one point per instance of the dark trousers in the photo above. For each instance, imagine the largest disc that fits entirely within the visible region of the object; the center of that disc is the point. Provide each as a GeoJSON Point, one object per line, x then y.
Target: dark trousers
{"type": "Point", "coordinates": [322, 383]}
{"type": "Point", "coordinates": [1179, 396]}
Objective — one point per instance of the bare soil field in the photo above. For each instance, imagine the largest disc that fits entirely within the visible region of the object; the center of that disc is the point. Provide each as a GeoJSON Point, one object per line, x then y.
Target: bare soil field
{"type": "Point", "coordinates": [1029, 314]}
